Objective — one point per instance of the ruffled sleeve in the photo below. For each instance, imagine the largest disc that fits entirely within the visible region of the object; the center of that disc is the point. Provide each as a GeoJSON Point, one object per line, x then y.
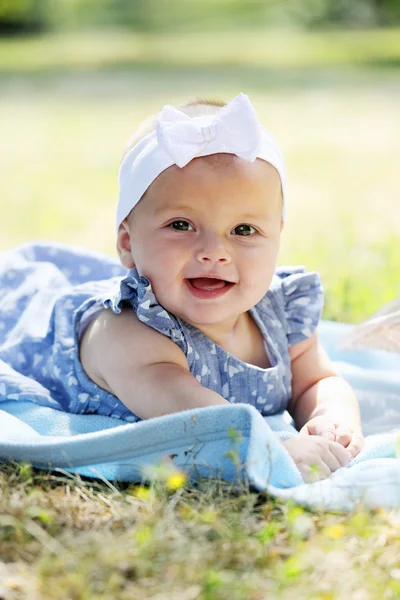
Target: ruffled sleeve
{"type": "Point", "coordinates": [136, 291]}
{"type": "Point", "coordinates": [303, 300]}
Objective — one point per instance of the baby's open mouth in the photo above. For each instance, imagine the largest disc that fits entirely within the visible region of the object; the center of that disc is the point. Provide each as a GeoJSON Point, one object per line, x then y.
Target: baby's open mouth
{"type": "Point", "coordinates": [208, 283]}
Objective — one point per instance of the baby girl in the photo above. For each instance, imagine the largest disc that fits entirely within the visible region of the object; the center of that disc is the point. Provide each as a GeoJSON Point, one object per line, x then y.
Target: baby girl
{"type": "Point", "coordinates": [204, 316]}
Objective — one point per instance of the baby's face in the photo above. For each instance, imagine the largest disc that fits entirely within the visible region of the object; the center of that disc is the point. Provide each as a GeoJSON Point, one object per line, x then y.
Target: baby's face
{"type": "Point", "coordinates": [219, 215]}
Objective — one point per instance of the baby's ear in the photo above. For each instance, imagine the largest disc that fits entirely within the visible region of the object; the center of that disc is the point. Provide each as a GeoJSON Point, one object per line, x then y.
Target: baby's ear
{"type": "Point", "coordinates": [124, 245]}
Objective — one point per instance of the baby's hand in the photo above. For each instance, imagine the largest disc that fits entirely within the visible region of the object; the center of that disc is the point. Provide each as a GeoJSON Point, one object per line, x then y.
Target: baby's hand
{"type": "Point", "coordinates": [328, 429]}
{"type": "Point", "coordinates": [315, 456]}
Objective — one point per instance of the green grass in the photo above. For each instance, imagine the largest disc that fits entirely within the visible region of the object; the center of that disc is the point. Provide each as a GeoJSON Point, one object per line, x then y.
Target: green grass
{"type": "Point", "coordinates": [269, 48]}
{"type": "Point", "coordinates": [67, 105]}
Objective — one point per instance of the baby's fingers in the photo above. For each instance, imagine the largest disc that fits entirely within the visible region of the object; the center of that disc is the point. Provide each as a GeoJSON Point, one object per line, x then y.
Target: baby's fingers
{"type": "Point", "coordinates": [321, 426]}
{"type": "Point", "coordinates": [340, 453]}
{"type": "Point", "coordinates": [343, 435]}
{"type": "Point", "coordinates": [333, 456]}
{"type": "Point", "coordinates": [356, 445]}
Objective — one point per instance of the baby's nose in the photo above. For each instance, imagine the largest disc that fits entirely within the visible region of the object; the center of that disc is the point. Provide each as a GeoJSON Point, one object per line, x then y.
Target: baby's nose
{"type": "Point", "coordinates": [212, 248]}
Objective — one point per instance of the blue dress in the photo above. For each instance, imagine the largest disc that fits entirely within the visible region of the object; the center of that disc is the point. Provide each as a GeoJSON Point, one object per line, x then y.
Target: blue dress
{"type": "Point", "coordinates": [49, 292]}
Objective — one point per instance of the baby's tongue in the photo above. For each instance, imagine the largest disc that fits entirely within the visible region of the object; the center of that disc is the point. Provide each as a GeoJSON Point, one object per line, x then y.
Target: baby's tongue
{"type": "Point", "coordinates": [206, 282]}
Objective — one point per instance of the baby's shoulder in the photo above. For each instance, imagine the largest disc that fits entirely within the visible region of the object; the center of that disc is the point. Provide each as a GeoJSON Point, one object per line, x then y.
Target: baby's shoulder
{"type": "Point", "coordinates": [122, 342]}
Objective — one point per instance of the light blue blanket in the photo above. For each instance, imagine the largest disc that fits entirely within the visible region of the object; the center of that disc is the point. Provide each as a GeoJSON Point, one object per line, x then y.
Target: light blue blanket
{"type": "Point", "coordinates": [232, 442]}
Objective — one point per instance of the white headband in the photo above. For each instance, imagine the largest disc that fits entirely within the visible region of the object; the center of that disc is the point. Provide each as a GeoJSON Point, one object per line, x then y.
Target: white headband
{"type": "Point", "coordinates": [178, 139]}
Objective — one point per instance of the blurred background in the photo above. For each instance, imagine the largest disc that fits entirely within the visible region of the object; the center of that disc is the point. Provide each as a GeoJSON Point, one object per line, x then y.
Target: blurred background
{"type": "Point", "coordinates": [77, 76]}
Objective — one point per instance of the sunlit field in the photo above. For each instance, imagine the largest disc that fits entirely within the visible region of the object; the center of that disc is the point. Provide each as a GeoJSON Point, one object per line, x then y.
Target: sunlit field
{"type": "Point", "coordinates": [67, 105]}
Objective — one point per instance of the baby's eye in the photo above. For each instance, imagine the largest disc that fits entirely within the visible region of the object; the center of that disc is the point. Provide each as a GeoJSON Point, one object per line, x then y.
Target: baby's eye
{"type": "Point", "coordinates": [244, 228]}
{"type": "Point", "coordinates": [180, 225]}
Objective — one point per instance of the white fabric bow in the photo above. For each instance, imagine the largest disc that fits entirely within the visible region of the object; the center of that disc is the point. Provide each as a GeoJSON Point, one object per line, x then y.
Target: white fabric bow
{"type": "Point", "coordinates": [235, 130]}
{"type": "Point", "coordinates": [179, 138]}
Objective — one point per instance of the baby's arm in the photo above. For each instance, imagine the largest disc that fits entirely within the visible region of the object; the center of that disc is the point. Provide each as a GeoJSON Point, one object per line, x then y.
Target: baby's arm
{"type": "Point", "coordinates": [323, 403]}
{"type": "Point", "coordinates": [146, 370]}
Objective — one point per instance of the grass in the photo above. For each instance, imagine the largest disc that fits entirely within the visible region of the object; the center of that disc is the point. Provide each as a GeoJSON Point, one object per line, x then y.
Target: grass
{"type": "Point", "coordinates": [67, 104]}
{"type": "Point", "coordinates": [275, 49]}
{"type": "Point", "coordinates": [65, 538]}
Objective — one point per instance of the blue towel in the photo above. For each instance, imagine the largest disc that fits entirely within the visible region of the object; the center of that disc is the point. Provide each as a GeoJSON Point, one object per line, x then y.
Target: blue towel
{"type": "Point", "coordinates": [233, 442]}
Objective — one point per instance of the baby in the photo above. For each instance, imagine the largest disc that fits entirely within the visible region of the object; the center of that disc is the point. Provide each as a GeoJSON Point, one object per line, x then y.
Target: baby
{"type": "Point", "coordinates": [204, 316]}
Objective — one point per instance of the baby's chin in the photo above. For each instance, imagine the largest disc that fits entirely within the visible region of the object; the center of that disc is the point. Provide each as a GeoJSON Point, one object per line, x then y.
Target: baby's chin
{"type": "Point", "coordinates": [210, 318]}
